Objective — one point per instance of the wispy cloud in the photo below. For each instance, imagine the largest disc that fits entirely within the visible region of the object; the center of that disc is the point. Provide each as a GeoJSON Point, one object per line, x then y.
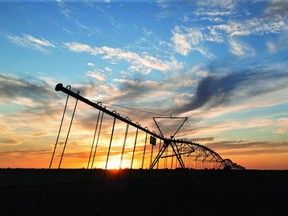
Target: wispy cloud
{"type": "Point", "coordinates": [97, 75]}
{"type": "Point", "coordinates": [143, 63]}
{"type": "Point", "coordinates": [278, 44]}
{"type": "Point", "coordinates": [239, 48]}
{"type": "Point", "coordinates": [184, 40]}
{"type": "Point", "coordinates": [29, 41]}
{"type": "Point", "coordinates": [79, 47]}
{"type": "Point", "coordinates": [222, 4]}
{"type": "Point", "coordinates": [254, 26]}
{"type": "Point", "coordinates": [244, 147]}
{"type": "Point", "coordinates": [25, 158]}
{"type": "Point", "coordinates": [218, 127]}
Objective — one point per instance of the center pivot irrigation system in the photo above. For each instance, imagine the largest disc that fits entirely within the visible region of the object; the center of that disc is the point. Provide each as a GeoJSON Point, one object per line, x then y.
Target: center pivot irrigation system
{"type": "Point", "coordinates": [181, 149]}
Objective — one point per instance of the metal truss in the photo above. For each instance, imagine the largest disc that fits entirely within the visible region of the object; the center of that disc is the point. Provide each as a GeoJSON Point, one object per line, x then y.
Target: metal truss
{"type": "Point", "coordinates": [180, 148]}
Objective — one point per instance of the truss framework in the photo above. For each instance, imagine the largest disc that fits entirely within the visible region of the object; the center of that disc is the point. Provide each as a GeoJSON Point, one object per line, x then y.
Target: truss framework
{"type": "Point", "coordinates": [179, 147]}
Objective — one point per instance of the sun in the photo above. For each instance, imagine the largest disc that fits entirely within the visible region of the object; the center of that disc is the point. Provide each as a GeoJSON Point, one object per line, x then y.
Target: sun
{"type": "Point", "coordinates": [114, 163]}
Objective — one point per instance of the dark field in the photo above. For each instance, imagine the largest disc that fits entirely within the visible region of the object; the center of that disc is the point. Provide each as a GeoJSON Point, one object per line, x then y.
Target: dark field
{"type": "Point", "coordinates": [143, 192]}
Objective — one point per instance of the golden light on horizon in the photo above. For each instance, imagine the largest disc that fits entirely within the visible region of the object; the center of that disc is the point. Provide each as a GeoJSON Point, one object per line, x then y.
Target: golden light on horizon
{"type": "Point", "coordinates": [116, 163]}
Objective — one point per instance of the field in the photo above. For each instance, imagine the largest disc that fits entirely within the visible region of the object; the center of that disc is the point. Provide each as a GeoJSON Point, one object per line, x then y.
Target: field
{"type": "Point", "coordinates": [139, 192]}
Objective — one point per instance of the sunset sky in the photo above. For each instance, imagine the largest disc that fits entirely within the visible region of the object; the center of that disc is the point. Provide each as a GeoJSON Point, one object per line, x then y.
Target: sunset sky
{"type": "Point", "coordinates": [223, 64]}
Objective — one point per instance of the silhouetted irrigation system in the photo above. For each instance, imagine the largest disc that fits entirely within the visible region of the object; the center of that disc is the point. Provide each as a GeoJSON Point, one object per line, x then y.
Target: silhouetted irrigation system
{"type": "Point", "coordinates": [188, 154]}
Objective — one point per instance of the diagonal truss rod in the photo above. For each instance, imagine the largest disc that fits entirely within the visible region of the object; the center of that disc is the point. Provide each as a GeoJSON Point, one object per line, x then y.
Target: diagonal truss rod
{"type": "Point", "coordinates": [59, 87]}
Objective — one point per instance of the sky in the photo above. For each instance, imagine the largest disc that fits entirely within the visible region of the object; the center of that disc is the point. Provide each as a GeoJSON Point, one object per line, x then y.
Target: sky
{"type": "Point", "coordinates": [223, 64]}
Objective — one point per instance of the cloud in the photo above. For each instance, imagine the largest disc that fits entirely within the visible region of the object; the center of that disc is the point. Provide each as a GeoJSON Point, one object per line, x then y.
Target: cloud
{"type": "Point", "coordinates": [281, 126]}
{"type": "Point", "coordinates": [90, 64]}
{"type": "Point", "coordinates": [142, 63]}
{"type": "Point", "coordinates": [271, 47]}
{"type": "Point", "coordinates": [255, 26]}
{"type": "Point", "coordinates": [280, 131]}
{"type": "Point", "coordinates": [239, 48]}
{"type": "Point", "coordinates": [79, 47]}
{"type": "Point", "coordinates": [186, 39]}
{"type": "Point", "coordinates": [31, 42]}
{"type": "Point", "coordinates": [213, 13]}
{"type": "Point", "coordinates": [137, 89]}
{"type": "Point", "coordinates": [236, 121]}
{"type": "Point", "coordinates": [242, 147]}
{"type": "Point", "coordinates": [8, 141]}
{"type": "Point", "coordinates": [30, 107]}
{"type": "Point", "coordinates": [217, 90]}
{"type": "Point", "coordinates": [97, 75]}
{"type": "Point", "coordinates": [277, 8]}
{"type": "Point", "coordinates": [12, 87]}
{"type": "Point", "coordinates": [217, 127]}
{"type": "Point", "coordinates": [278, 44]}
{"type": "Point", "coordinates": [108, 69]}
{"type": "Point", "coordinates": [25, 158]}
{"type": "Point", "coordinates": [181, 44]}
{"type": "Point", "coordinates": [222, 4]}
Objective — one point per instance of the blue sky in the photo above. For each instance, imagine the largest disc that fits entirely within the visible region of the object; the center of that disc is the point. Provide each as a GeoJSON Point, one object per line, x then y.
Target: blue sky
{"type": "Point", "coordinates": [222, 64]}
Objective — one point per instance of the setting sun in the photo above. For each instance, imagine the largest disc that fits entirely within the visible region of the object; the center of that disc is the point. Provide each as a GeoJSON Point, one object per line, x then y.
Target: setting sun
{"type": "Point", "coordinates": [114, 163]}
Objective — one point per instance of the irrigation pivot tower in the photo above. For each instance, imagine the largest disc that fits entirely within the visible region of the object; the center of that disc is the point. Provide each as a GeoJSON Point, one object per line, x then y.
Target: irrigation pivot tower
{"type": "Point", "coordinates": [180, 148]}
